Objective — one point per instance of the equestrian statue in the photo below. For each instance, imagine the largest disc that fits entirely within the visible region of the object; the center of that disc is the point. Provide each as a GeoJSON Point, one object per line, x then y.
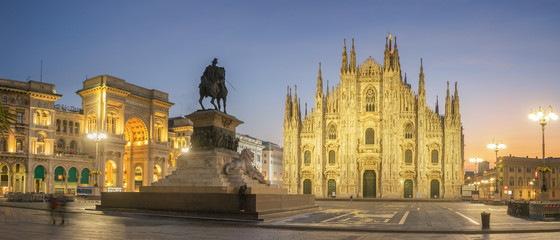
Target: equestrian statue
{"type": "Point", "coordinates": [212, 84]}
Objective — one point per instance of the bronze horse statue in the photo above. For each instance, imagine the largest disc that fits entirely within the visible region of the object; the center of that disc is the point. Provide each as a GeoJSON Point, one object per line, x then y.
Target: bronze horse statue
{"type": "Point", "coordinates": [212, 84]}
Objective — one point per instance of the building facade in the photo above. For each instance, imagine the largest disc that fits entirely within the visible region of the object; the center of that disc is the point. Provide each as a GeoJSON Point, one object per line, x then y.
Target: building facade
{"type": "Point", "coordinates": [518, 179]}
{"type": "Point", "coordinates": [47, 149]}
{"type": "Point", "coordinates": [42, 152]}
{"type": "Point", "coordinates": [272, 163]}
{"type": "Point", "coordinates": [372, 136]}
{"type": "Point", "coordinates": [255, 145]}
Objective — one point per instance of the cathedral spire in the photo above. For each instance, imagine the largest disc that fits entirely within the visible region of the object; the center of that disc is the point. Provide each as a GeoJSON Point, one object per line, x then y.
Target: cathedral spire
{"type": "Point", "coordinates": [390, 43]}
{"type": "Point", "coordinates": [456, 100]}
{"type": "Point", "coordinates": [288, 113]}
{"type": "Point", "coordinates": [296, 113]}
{"type": "Point", "coordinates": [305, 109]}
{"type": "Point", "coordinates": [421, 76]}
{"type": "Point", "coordinates": [327, 86]}
{"type": "Point", "coordinates": [352, 57]}
{"type": "Point", "coordinates": [319, 81]}
{"type": "Point", "coordinates": [437, 105]}
{"type": "Point", "coordinates": [344, 67]}
{"type": "Point", "coordinates": [405, 79]}
{"type": "Point", "coordinates": [447, 102]}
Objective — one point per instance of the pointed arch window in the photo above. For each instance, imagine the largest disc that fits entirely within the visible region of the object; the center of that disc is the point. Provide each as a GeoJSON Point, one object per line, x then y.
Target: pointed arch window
{"type": "Point", "coordinates": [307, 157]}
{"type": "Point", "coordinates": [332, 157]}
{"type": "Point", "coordinates": [408, 131]}
{"type": "Point", "coordinates": [332, 132]}
{"type": "Point", "coordinates": [370, 101]}
{"type": "Point", "coordinates": [408, 156]}
{"type": "Point", "coordinates": [370, 136]}
{"type": "Point", "coordinates": [435, 156]}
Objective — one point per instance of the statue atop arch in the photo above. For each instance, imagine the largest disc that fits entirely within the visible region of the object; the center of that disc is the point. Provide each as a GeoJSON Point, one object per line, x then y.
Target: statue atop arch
{"type": "Point", "coordinates": [213, 85]}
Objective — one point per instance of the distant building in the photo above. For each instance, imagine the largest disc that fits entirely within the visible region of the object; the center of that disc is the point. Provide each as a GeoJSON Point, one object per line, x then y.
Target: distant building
{"type": "Point", "coordinates": [180, 131]}
{"type": "Point", "coordinates": [514, 178]}
{"type": "Point", "coordinates": [517, 173]}
{"type": "Point", "coordinates": [272, 163]}
{"type": "Point", "coordinates": [255, 145]}
{"type": "Point", "coordinates": [483, 166]}
{"type": "Point", "coordinates": [468, 175]}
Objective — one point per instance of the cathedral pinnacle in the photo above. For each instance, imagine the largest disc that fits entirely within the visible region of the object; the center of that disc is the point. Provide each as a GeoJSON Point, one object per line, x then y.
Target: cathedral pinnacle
{"type": "Point", "coordinates": [319, 81]}
{"type": "Point", "coordinates": [405, 79]}
{"type": "Point", "coordinates": [437, 105]}
{"type": "Point", "coordinates": [344, 67]}
{"type": "Point", "coordinates": [447, 102]}
{"type": "Point", "coordinates": [456, 100]}
{"type": "Point", "coordinates": [421, 76]}
{"type": "Point", "coordinates": [288, 113]}
{"type": "Point", "coordinates": [352, 57]}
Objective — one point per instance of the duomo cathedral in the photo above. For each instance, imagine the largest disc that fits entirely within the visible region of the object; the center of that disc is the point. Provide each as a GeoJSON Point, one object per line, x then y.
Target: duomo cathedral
{"type": "Point", "coordinates": [373, 136]}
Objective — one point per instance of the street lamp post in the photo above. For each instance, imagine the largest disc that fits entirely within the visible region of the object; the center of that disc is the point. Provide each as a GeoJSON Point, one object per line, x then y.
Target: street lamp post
{"type": "Point", "coordinates": [97, 137]}
{"type": "Point", "coordinates": [542, 116]}
{"type": "Point", "coordinates": [476, 161]}
{"type": "Point", "coordinates": [496, 147]}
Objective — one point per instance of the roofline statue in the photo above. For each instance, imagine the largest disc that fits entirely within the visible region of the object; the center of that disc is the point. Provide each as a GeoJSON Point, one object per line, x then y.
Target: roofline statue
{"type": "Point", "coordinates": [212, 84]}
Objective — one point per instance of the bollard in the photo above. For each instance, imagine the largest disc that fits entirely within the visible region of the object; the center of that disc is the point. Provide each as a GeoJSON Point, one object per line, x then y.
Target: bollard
{"type": "Point", "coordinates": [485, 220]}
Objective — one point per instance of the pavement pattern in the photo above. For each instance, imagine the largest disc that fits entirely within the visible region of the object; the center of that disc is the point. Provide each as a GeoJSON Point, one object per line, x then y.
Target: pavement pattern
{"type": "Point", "coordinates": [334, 220]}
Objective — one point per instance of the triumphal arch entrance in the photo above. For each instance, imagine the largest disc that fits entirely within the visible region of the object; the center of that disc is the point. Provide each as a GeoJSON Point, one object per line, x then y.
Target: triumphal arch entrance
{"type": "Point", "coordinates": [134, 120]}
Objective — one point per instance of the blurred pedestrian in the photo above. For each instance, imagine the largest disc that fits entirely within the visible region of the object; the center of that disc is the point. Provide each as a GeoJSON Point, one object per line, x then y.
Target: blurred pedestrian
{"type": "Point", "coordinates": [62, 208]}
{"type": "Point", "coordinates": [53, 206]}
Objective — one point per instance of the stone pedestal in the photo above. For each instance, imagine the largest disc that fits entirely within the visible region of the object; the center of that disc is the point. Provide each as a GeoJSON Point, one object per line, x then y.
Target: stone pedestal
{"type": "Point", "coordinates": [199, 186]}
{"type": "Point", "coordinates": [544, 197]}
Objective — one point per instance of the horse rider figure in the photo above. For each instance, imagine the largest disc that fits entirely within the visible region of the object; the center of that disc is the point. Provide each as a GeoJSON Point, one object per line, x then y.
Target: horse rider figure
{"type": "Point", "coordinates": [212, 84]}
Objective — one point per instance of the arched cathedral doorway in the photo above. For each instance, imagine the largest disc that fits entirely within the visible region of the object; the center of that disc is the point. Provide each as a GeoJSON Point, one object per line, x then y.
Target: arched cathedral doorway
{"type": "Point", "coordinates": [434, 189]}
{"type": "Point", "coordinates": [369, 184]}
{"type": "Point", "coordinates": [408, 188]}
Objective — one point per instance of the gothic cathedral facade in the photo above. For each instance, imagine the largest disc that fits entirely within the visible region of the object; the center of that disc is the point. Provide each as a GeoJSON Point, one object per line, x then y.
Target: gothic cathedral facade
{"type": "Point", "coordinates": [372, 136]}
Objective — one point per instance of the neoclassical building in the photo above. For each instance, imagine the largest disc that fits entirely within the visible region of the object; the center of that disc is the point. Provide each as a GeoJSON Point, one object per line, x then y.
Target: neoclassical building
{"type": "Point", "coordinates": [372, 136]}
{"type": "Point", "coordinates": [47, 149]}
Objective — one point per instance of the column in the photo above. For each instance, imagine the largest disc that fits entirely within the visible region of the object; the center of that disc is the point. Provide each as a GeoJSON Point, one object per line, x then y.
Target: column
{"type": "Point", "coordinates": [10, 181]}
{"type": "Point", "coordinates": [28, 181]}
{"type": "Point", "coordinates": [150, 172]}
{"type": "Point", "coordinates": [120, 172]}
{"type": "Point", "coordinates": [101, 165]}
{"type": "Point", "coordinates": [131, 170]}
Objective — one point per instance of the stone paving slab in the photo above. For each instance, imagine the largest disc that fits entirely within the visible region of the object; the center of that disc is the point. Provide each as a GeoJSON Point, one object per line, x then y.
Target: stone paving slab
{"type": "Point", "coordinates": [337, 216]}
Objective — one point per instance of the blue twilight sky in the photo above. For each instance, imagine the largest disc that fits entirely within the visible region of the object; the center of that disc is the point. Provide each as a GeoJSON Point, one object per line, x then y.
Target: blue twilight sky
{"type": "Point", "coordinates": [503, 54]}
